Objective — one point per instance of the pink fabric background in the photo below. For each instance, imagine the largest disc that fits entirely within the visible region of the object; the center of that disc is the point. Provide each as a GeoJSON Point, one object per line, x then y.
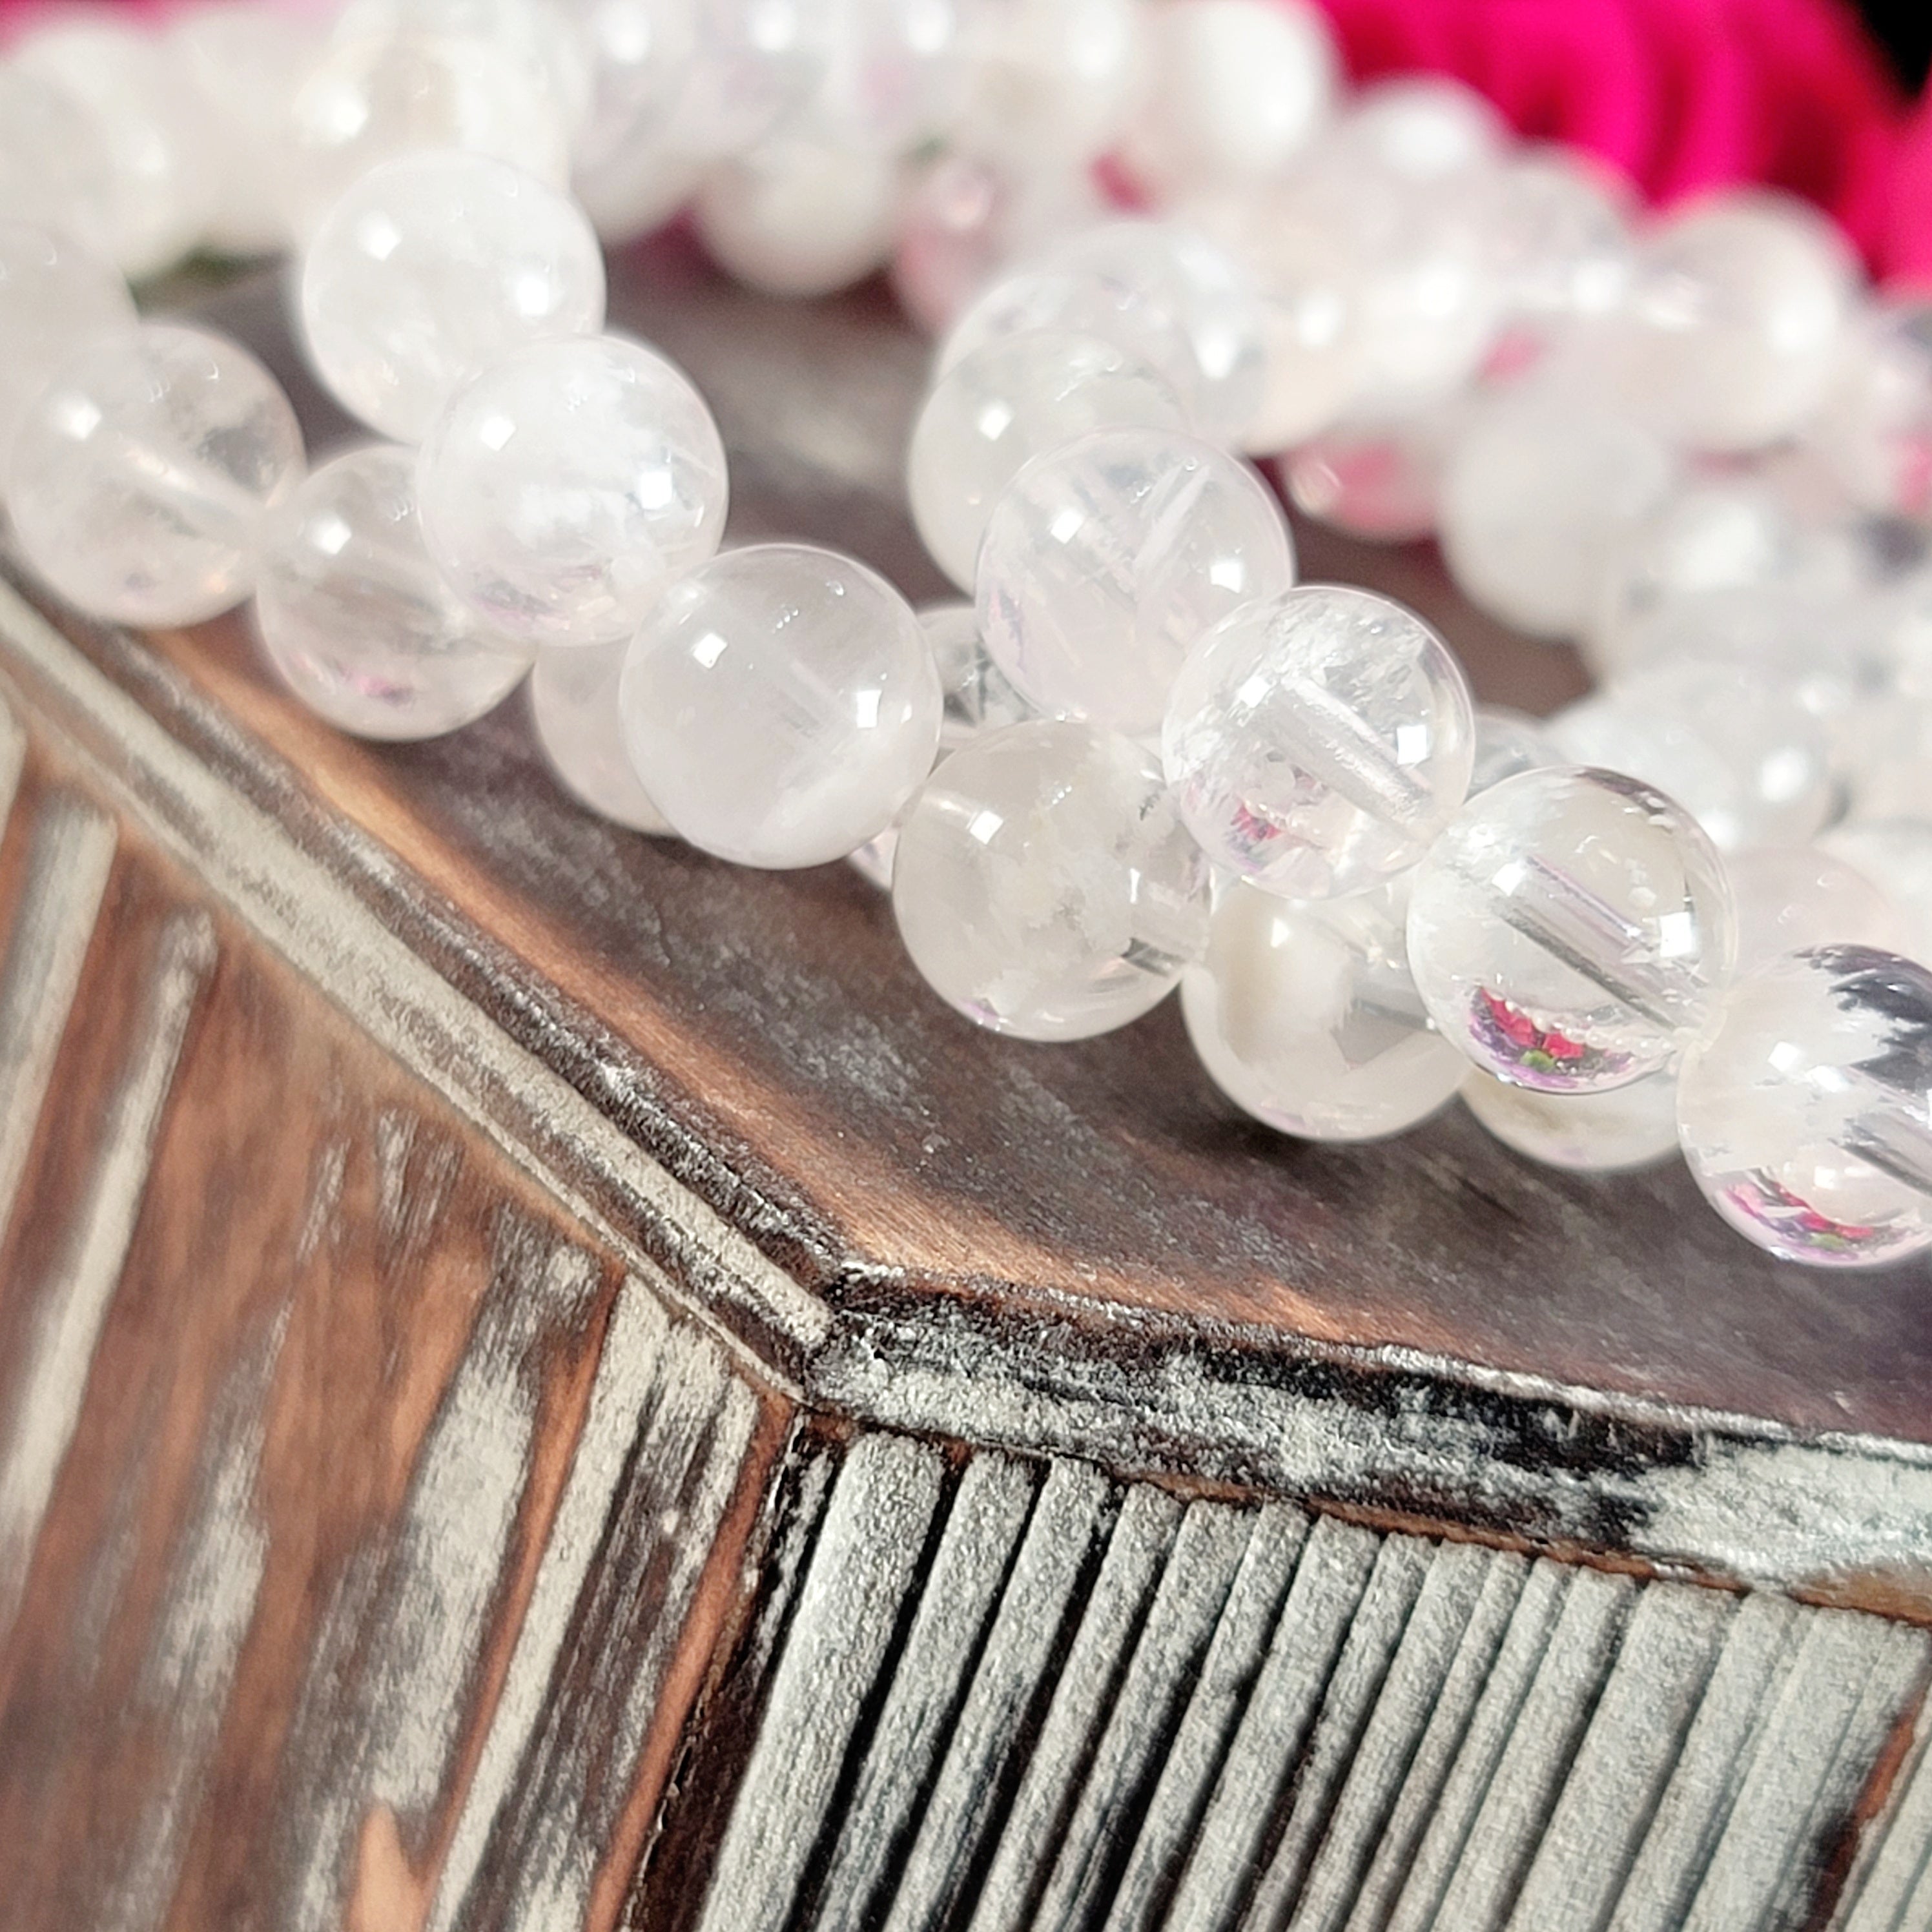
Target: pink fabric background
{"type": "Point", "coordinates": [1680, 94]}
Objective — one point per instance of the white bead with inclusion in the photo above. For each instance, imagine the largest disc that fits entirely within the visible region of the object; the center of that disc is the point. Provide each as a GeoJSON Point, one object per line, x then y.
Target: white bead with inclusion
{"type": "Point", "coordinates": [799, 215]}
{"type": "Point", "coordinates": [431, 267]}
{"type": "Point", "coordinates": [55, 296]}
{"type": "Point", "coordinates": [574, 707]}
{"type": "Point", "coordinates": [780, 705]}
{"type": "Point", "coordinates": [1739, 750]}
{"type": "Point", "coordinates": [1010, 400]}
{"type": "Point", "coordinates": [566, 486]}
{"type": "Point", "coordinates": [1319, 741]}
{"type": "Point", "coordinates": [1044, 885]}
{"type": "Point", "coordinates": [1627, 1128]}
{"type": "Point", "coordinates": [1107, 558]}
{"type": "Point", "coordinates": [1790, 897]}
{"type": "Point", "coordinates": [1537, 493]}
{"type": "Point", "coordinates": [1807, 1116]}
{"type": "Point", "coordinates": [354, 617]}
{"type": "Point", "coordinates": [143, 474]}
{"type": "Point", "coordinates": [1571, 930]}
{"type": "Point", "coordinates": [1305, 1016]}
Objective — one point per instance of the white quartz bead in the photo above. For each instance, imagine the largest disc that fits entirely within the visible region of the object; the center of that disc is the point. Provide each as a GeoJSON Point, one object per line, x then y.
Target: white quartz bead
{"type": "Point", "coordinates": [799, 217]}
{"type": "Point", "coordinates": [573, 706]}
{"type": "Point", "coordinates": [1421, 127]}
{"type": "Point", "coordinates": [638, 56]}
{"type": "Point", "coordinates": [1378, 480]}
{"type": "Point", "coordinates": [1895, 855]}
{"type": "Point", "coordinates": [534, 35]}
{"type": "Point", "coordinates": [567, 485]}
{"type": "Point", "coordinates": [1804, 1116]}
{"type": "Point", "coordinates": [55, 296]}
{"type": "Point", "coordinates": [373, 98]}
{"type": "Point", "coordinates": [757, 63]}
{"type": "Point", "coordinates": [1736, 318]}
{"type": "Point", "coordinates": [641, 188]}
{"type": "Point", "coordinates": [354, 617]}
{"type": "Point", "coordinates": [1043, 884]}
{"type": "Point", "coordinates": [1790, 897]}
{"type": "Point", "coordinates": [1318, 741]}
{"type": "Point", "coordinates": [1108, 557]}
{"type": "Point", "coordinates": [1507, 743]}
{"type": "Point", "coordinates": [1626, 1128]}
{"type": "Point", "coordinates": [1571, 930]}
{"type": "Point", "coordinates": [1536, 494]}
{"type": "Point", "coordinates": [431, 267]}
{"type": "Point", "coordinates": [781, 705]}
{"type": "Point", "coordinates": [892, 76]}
{"type": "Point", "coordinates": [1305, 1016]}
{"type": "Point", "coordinates": [978, 696]}
{"type": "Point", "coordinates": [1051, 81]}
{"type": "Point", "coordinates": [1874, 428]}
{"type": "Point", "coordinates": [143, 474]}
{"type": "Point", "coordinates": [1737, 750]}
{"type": "Point", "coordinates": [1557, 225]}
{"type": "Point", "coordinates": [164, 163]}
{"type": "Point", "coordinates": [55, 169]}
{"type": "Point", "coordinates": [1243, 87]}
{"type": "Point", "coordinates": [1009, 401]}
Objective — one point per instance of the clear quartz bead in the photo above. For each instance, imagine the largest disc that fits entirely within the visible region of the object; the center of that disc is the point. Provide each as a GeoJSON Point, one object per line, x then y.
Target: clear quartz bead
{"type": "Point", "coordinates": [1009, 401]}
{"type": "Point", "coordinates": [355, 618]}
{"type": "Point", "coordinates": [638, 56]}
{"type": "Point", "coordinates": [893, 76]}
{"type": "Point", "coordinates": [1560, 240]}
{"type": "Point", "coordinates": [1738, 751]}
{"type": "Point", "coordinates": [1536, 492]}
{"type": "Point", "coordinates": [566, 486]}
{"type": "Point", "coordinates": [1305, 1016]}
{"type": "Point", "coordinates": [144, 472]}
{"type": "Point", "coordinates": [1507, 743]}
{"type": "Point", "coordinates": [1874, 431]}
{"type": "Point", "coordinates": [1804, 1116]}
{"type": "Point", "coordinates": [1051, 81]}
{"type": "Point", "coordinates": [1627, 1128]}
{"type": "Point", "coordinates": [431, 267]}
{"type": "Point", "coordinates": [1571, 930]}
{"type": "Point", "coordinates": [1043, 884]}
{"type": "Point", "coordinates": [978, 695]}
{"type": "Point", "coordinates": [55, 171]}
{"type": "Point", "coordinates": [573, 706]}
{"type": "Point", "coordinates": [1107, 558]}
{"type": "Point", "coordinates": [1790, 897]}
{"type": "Point", "coordinates": [781, 705]}
{"type": "Point", "coordinates": [1319, 741]}
{"type": "Point", "coordinates": [799, 216]}
{"type": "Point", "coordinates": [55, 296]}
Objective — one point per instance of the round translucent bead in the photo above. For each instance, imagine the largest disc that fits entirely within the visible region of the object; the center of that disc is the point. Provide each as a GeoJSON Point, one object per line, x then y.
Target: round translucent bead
{"type": "Point", "coordinates": [143, 474]}
{"type": "Point", "coordinates": [1738, 751]}
{"type": "Point", "coordinates": [781, 705]}
{"type": "Point", "coordinates": [355, 618]}
{"type": "Point", "coordinates": [1317, 741]}
{"type": "Point", "coordinates": [1804, 1116]}
{"type": "Point", "coordinates": [1305, 1015]}
{"type": "Point", "coordinates": [1536, 493]}
{"type": "Point", "coordinates": [799, 217]}
{"type": "Point", "coordinates": [1043, 884]}
{"type": "Point", "coordinates": [564, 488]}
{"type": "Point", "coordinates": [574, 705]}
{"type": "Point", "coordinates": [54, 294]}
{"type": "Point", "coordinates": [374, 97]}
{"type": "Point", "coordinates": [1507, 743]}
{"type": "Point", "coordinates": [55, 169]}
{"type": "Point", "coordinates": [978, 696]}
{"type": "Point", "coordinates": [1377, 480]}
{"type": "Point", "coordinates": [1422, 128]}
{"type": "Point", "coordinates": [164, 164]}
{"type": "Point", "coordinates": [431, 267]}
{"type": "Point", "coordinates": [1895, 855]}
{"type": "Point", "coordinates": [1559, 239]}
{"type": "Point", "coordinates": [1571, 930]}
{"type": "Point", "coordinates": [1161, 290]}
{"type": "Point", "coordinates": [639, 56]}
{"type": "Point", "coordinates": [1051, 81]}
{"type": "Point", "coordinates": [757, 63]}
{"type": "Point", "coordinates": [1874, 429]}
{"type": "Point", "coordinates": [1244, 86]}
{"type": "Point", "coordinates": [1790, 897]}
{"type": "Point", "coordinates": [535, 35]}
{"type": "Point", "coordinates": [1009, 401]}
{"type": "Point", "coordinates": [1628, 1127]}
{"type": "Point", "coordinates": [1108, 557]}
{"type": "Point", "coordinates": [1734, 321]}
{"type": "Point", "coordinates": [639, 190]}
{"type": "Point", "coordinates": [892, 76]}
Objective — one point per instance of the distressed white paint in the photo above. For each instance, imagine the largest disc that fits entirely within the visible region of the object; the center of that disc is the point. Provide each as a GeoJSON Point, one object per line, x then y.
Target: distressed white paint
{"type": "Point", "coordinates": [1890, 1888]}
{"type": "Point", "coordinates": [70, 1308]}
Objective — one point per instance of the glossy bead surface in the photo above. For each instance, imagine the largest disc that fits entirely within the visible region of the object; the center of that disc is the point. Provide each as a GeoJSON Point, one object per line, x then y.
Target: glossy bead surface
{"type": "Point", "coordinates": [54, 294]}
{"type": "Point", "coordinates": [1559, 239]}
{"type": "Point", "coordinates": [354, 617]}
{"type": "Point", "coordinates": [1043, 884]}
{"type": "Point", "coordinates": [1107, 559]}
{"type": "Point", "coordinates": [1571, 930]}
{"type": "Point", "coordinates": [1317, 741]}
{"type": "Point", "coordinates": [142, 475]}
{"type": "Point", "coordinates": [1791, 897]}
{"type": "Point", "coordinates": [1804, 1117]}
{"type": "Point", "coordinates": [1507, 743]}
{"type": "Point", "coordinates": [430, 268]}
{"type": "Point", "coordinates": [55, 169]}
{"type": "Point", "coordinates": [780, 705]}
{"type": "Point", "coordinates": [1628, 1127]}
{"type": "Point", "coordinates": [799, 217]}
{"type": "Point", "coordinates": [573, 706]}
{"type": "Point", "coordinates": [977, 695]}
{"type": "Point", "coordinates": [565, 486]}
{"type": "Point", "coordinates": [1009, 401]}
{"type": "Point", "coordinates": [892, 75]}
{"type": "Point", "coordinates": [1535, 497]}
{"type": "Point", "coordinates": [1051, 81]}
{"type": "Point", "coordinates": [1305, 1016]}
